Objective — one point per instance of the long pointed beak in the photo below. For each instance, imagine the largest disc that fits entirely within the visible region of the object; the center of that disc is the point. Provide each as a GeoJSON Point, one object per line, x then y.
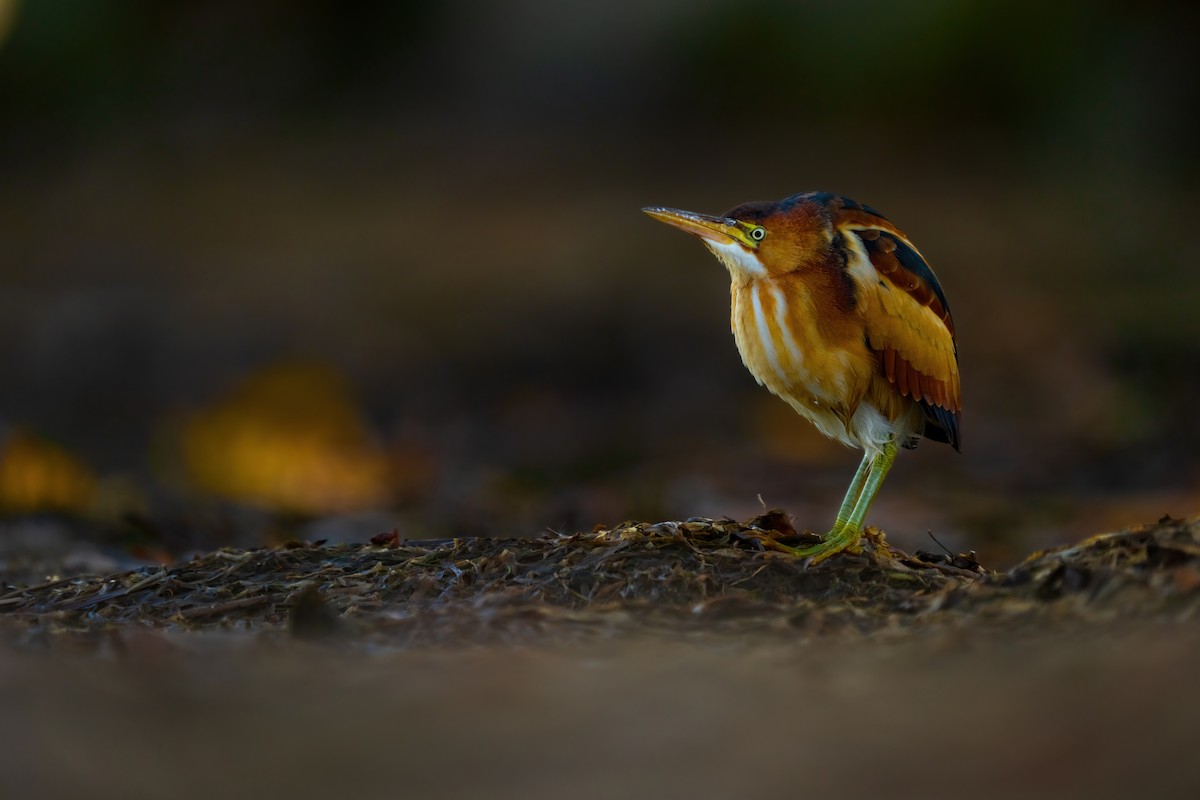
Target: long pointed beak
{"type": "Point", "coordinates": [718, 229]}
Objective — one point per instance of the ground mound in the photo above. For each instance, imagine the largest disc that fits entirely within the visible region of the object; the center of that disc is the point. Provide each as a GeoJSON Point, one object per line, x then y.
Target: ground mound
{"type": "Point", "coordinates": [677, 578]}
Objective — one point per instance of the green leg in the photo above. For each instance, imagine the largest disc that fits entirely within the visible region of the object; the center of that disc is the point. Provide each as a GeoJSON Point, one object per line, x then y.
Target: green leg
{"type": "Point", "coordinates": [879, 471]}
{"type": "Point", "coordinates": [848, 528]}
{"type": "Point", "coordinates": [856, 484]}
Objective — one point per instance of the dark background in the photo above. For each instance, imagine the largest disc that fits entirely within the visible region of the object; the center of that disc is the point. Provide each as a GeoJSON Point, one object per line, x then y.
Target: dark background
{"type": "Point", "coordinates": [324, 269]}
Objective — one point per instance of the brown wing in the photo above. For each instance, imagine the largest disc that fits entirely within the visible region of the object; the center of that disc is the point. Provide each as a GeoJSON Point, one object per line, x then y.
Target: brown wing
{"type": "Point", "coordinates": [908, 324]}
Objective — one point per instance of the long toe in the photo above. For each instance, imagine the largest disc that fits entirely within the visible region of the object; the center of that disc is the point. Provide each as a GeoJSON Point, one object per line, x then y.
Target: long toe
{"type": "Point", "coordinates": [839, 540]}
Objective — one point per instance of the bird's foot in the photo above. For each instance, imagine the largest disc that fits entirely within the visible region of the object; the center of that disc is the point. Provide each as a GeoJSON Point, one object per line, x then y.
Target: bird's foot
{"type": "Point", "coordinates": [842, 539]}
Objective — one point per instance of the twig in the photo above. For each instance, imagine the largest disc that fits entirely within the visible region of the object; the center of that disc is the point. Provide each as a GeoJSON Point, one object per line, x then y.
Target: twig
{"type": "Point", "coordinates": [949, 552]}
{"type": "Point", "coordinates": [220, 608]}
{"type": "Point", "coordinates": [96, 599]}
{"type": "Point", "coordinates": [41, 586]}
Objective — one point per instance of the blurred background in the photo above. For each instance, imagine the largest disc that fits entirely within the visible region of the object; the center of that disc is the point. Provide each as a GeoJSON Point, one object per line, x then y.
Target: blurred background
{"type": "Point", "coordinates": [308, 269]}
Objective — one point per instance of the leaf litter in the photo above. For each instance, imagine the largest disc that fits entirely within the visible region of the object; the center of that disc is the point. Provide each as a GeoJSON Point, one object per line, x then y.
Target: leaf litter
{"type": "Point", "coordinates": [699, 577]}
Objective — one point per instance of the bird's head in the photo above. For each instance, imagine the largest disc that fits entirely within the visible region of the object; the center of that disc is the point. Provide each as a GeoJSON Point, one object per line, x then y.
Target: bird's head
{"type": "Point", "coordinates": [762, 239]}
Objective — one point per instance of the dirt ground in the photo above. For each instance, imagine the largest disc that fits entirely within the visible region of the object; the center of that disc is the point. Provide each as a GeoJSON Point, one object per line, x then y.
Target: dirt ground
{"type": "Point", "coordinates": [682, 659]}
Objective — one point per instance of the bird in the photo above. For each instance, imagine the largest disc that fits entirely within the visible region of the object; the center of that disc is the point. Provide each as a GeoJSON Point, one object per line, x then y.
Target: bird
{"type": "Point", "coordinates": [835, 311]}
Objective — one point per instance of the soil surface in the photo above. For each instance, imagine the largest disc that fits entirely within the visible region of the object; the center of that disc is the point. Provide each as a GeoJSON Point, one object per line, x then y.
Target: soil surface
{"type": "Point", "coordinates": [678, 659]}
{"type": "Point", "coordinates": [717, 577]}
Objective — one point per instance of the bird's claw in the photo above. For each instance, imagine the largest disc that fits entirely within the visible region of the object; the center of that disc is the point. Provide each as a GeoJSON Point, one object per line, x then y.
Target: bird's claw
{"type": "Point", "coordinates": [838, 540]}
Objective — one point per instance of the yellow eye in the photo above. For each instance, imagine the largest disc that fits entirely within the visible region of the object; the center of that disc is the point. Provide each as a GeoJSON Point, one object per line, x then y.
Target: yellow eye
{"type": "Point", "coordinates": [758, 234]}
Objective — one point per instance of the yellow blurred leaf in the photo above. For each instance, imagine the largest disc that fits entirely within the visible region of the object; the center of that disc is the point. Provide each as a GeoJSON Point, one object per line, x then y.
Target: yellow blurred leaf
{"type": "Point", "coordinates": [288, 438]}
{"type": "Point", "coordinates": [37, 475]}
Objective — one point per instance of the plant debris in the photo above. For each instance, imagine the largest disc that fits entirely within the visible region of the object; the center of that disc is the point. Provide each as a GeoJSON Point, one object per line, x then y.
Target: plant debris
{"type": "Point", "coordinates": [670, 578]}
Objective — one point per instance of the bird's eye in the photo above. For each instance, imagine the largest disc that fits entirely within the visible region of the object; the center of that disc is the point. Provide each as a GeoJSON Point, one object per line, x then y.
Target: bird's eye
{"type": "Point", "coordinates": [758, 234]}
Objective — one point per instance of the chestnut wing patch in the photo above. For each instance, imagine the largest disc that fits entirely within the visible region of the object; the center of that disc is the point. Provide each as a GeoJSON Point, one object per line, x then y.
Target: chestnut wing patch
{"type": "Point", "coordinates": [899, 262]}
{"type": "Point", "coordinates": [909, 325]}
{"type": "Point", "coordinates": [939, 399]}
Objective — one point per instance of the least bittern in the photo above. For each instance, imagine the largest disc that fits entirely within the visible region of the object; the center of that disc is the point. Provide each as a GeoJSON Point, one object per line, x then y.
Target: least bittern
{"type": "Point", "coordinates": [836, 311]}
